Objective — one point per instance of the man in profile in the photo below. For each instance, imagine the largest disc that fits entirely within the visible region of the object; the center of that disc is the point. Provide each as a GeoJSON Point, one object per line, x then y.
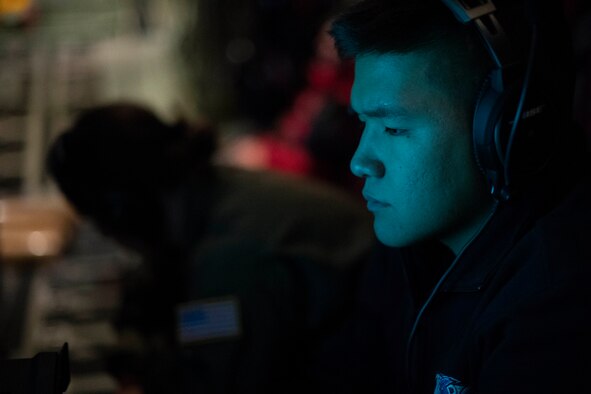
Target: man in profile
{"type": "Point", "coordinates": [476, 179]}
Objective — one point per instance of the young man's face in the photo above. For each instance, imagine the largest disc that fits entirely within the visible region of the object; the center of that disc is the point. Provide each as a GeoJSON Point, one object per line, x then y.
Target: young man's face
{"type": "Point", "coordinates": [421, 179]}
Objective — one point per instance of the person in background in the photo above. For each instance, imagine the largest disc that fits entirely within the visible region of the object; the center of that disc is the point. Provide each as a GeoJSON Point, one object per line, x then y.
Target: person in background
{"type": "Point", "coordinates": [479, 185]}
{"type": "Point", "coordinates": [247, 59]}
{"type": "Point", "coordinates": [302, 138]}
{"type": "Point", "coordinates": [244, 272]}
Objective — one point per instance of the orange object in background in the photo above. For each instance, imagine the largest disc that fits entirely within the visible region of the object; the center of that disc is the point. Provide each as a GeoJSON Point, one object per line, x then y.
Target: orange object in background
{"type": "Point", "coordinates": [17, 12]}
{"type": "Point", "coordinates": [9, 7]}
{"type": "Point", "coordinates": [34, 228]}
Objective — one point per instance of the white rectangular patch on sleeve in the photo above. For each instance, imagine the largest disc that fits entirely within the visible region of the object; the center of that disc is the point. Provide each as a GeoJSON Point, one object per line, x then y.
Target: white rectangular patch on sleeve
{"type": "Point", "coordinates": [208, 319]}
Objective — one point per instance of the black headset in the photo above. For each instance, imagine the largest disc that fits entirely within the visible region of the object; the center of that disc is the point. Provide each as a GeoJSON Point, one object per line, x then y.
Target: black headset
{"type": "Point", "coordinates": [508, 114]}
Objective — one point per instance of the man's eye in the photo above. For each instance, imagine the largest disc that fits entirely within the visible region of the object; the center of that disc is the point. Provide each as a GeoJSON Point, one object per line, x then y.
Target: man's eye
{"type": "Point", "coordinates": [392, 131]}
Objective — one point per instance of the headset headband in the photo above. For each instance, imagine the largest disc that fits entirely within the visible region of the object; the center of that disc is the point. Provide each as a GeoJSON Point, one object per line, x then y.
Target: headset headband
{"type": "Point", "coordinates": [501, 105]}
{"type": "Point", "coordinates": [482, 15]}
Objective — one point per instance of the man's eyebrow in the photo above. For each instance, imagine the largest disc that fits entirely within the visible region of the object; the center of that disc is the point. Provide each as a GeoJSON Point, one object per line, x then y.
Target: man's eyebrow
{"type": "Point", "coordinates": [381, 112]}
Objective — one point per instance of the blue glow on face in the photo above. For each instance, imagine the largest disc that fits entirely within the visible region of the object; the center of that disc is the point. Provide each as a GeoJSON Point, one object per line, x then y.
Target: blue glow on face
{"type": "Point", "coordinates": [415, 154]}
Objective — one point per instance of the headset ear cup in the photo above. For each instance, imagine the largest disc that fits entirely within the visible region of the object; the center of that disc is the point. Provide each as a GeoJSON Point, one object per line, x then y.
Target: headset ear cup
{"type": "Point", "coordinates": [476, 130]}
{"type": "Point", "coordinates": [486, 131]}
{"type": "Point", "coordinates": [531, 148]}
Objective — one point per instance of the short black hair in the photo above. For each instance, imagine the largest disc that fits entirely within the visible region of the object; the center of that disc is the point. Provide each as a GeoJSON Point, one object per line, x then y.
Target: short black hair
{"type": "Point", "coordinates": [397, 26]}
{"type": "Point", "coordinates": [402, 26]}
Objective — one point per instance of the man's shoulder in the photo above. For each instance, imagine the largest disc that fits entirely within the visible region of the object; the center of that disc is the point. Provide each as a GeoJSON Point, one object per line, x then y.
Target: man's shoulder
{"type": "Point", "coordinates": [575, 210]}
{"type": "Point", "coordinates": [564, 234]}
{"type": "Point", "coordinates": [555, 252]}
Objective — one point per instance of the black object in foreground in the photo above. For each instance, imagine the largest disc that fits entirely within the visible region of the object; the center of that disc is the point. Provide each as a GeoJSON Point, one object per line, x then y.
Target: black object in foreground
{"type": "Point", "coordinates": [46, 373]}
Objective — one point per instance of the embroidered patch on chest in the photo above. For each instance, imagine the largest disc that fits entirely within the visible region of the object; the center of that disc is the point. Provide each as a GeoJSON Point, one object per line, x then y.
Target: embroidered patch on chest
{"type": "Point", "coordinates": [448, 385]}
{"type": "Point", "coordinates": [208, 319]}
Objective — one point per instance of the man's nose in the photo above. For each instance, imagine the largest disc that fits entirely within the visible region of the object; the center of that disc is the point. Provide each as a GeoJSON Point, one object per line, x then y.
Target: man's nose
{"type": "Point", "coordinates": [364, 163]}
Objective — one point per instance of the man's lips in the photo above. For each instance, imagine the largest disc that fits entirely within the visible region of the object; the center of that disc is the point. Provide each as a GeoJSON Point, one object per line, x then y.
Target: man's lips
{"type": "Point", "coordinates": [374, 204]}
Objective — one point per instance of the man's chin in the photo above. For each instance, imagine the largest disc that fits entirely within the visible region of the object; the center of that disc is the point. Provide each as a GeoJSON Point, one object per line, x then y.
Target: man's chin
{"type": "Point", "coordinates": [393, 240]}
